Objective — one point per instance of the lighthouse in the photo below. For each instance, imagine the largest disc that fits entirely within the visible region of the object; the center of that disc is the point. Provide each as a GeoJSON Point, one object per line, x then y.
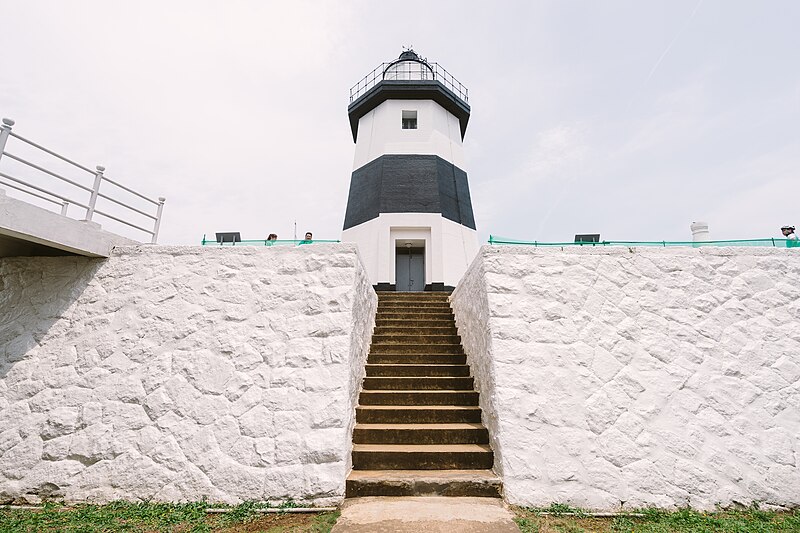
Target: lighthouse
{"type": "Point", "coordinates": [409, 208]}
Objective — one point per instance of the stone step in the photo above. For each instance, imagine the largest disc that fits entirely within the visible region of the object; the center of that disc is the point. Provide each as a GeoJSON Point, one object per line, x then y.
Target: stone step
{"type": "Point", "coordinates": [424, 312]}
{"type": "Point", "coordinates": [385, 348]}
{"type": "Point", "coordinates": [409, 306]}
{"type": "Point", "coordinates": [402, 315]}
{"type": "Point", "coordinates": [424, 323]}
{"type": "Point", "coordinates": [415, 330]}
{"type": "Point", "coordinates": [417, 414]}
{"type": "Point", "coordinates": [415, 296]}
{"type": "Point", "coordinates": [419, 294]}
{"type": "Point", "coordinates": [422, 457]}
{"type": "Point", "coordinates": [417, 370]}
{"type": "Point", "coordinates": [418, 383]}
{"type": "Point", "coordinates": [416, 359]}
{"type": "Point", "coordinates": [416, 339]}
{"type": "Point", "coordinates": [405, 300]}
{"type": "Point", "coordinates": [474, 483]}
{"type": "Point", "coordinates": [454, 433]}
{"type": "Point", "coordinates": [419, 397]}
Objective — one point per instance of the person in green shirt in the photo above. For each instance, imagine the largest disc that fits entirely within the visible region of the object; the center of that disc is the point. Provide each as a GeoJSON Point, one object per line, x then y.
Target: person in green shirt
{"type": "Point", "coordinates": [791, 237]}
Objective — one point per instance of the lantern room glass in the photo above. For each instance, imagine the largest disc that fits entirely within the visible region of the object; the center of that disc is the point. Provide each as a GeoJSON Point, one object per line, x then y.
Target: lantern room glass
{"type": "Point", "coordinates": [408, 70]}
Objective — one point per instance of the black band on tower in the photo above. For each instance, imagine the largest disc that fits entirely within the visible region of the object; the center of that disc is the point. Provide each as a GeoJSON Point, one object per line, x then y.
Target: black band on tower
{"type": "Point", "coordinates": [409, 184]}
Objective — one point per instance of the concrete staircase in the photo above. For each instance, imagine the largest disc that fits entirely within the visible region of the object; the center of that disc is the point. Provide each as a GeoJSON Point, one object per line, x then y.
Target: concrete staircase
{"type": "Point", "coordinates": [418, 425]}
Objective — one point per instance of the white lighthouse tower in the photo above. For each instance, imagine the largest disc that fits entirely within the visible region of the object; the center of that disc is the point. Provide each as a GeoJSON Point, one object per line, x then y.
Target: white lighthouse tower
{"type": "Point", "coordinates": [409, 208]}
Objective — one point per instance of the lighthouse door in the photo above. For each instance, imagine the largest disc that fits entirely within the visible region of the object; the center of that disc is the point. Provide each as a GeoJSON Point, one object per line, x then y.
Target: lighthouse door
{"type": "Point", "coordinates": [410, 268]}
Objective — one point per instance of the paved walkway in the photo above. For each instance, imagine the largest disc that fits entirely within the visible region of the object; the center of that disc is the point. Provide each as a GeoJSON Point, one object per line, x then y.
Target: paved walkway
{"type": "Point", "coordinates": [424, 515]}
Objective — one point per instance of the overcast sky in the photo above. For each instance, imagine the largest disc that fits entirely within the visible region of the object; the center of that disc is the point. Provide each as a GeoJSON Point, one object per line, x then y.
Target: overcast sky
{"type": "Point", "coordinates": [626, 118]}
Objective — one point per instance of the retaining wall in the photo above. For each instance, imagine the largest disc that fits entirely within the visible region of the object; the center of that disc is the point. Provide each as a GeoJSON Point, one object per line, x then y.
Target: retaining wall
{"type": "Point", "coordinates": [182, 373]}
{"type": "Point", "coordinates": [617, 377]}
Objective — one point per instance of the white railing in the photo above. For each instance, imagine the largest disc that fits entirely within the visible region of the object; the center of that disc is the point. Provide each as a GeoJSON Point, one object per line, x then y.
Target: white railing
{"type": "Point", "coordinates": [90, 205]}
{"type": "Point", "coordinates": [421, 71]}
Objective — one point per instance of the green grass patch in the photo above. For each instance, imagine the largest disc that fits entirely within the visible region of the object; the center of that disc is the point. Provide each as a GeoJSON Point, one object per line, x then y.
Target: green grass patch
{"type": "Point", "coordinates": [565, 519]}
{"type": "Point", "coordinates": [146, 517]}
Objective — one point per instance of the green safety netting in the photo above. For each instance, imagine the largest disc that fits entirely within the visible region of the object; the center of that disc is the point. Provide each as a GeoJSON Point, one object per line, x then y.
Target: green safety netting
{"type": "Point", "coordinates": [261, 242]}
{"type": "Point", "coordinates": [775, 243]}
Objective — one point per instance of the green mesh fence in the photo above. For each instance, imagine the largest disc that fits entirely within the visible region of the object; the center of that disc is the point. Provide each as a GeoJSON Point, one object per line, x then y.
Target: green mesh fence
{"type": "Point", "coordinates": [773, 243]}
{"type": "Point", "coordinates": [261, 242]}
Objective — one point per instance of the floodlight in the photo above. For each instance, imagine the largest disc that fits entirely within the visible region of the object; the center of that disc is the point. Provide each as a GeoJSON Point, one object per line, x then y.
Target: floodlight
{"type": "Point", "coordinates": [230, 236]}
{"type": "Point", "coordinates": [588, 237]}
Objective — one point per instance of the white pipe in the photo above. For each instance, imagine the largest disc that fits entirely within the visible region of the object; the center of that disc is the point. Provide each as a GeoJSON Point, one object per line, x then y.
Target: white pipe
{"type": "Point", "coordinates": [278, 510]}
{"type": "Point", "coordinates": [700, 232]}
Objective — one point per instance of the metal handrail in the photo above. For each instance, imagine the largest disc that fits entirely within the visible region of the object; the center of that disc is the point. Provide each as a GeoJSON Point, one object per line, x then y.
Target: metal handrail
{"type": "Point", "coordinates": [101, 195]}
{"type": "Point", "coordinates": [99, 178]}
{"type": "Point", "coordinates": [37, 167]}
{"type": "Point", "coordinates": [42, 148]}
{"type": "Point", "coordinates": [143, 197]}
{"type": "Point", "coordinates": [37, 195]}
{"type": "Point", "coordinates": [439, 73]}
{"type": "Point", "coordinates": [45, 191]}
{"type": "Point", "coordinates": [112, 217]}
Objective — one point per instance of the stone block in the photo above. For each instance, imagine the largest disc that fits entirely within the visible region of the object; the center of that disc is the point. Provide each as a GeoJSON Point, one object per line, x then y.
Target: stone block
{"type": "Point", "coordinates": [124, 416]}
{"type": "Point", "coordinates": [244, 452]}
{"type": "Point", "coordinates": [20, 458]}
{"type": "Point", "coordinates": [61, 421]}
{"type": "Point", "coordinates": [287, 445]}
{"type": "Point", "coordinates": [779, 445]}
{"type": "Point", "coordinates": [605, 365]}
{"type": "Point", "coordinates": [206, 371]}
{"type": "Point", "coordinates": [618, 449]}
{"type": "Point", "coordinates": [325, 446]}
{"type": "Point", "coordinates": [258, 422]}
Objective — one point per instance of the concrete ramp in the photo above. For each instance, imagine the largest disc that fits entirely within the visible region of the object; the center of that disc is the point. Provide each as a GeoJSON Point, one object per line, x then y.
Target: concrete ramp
{"type": "Point", "coordinates": [28, 230]}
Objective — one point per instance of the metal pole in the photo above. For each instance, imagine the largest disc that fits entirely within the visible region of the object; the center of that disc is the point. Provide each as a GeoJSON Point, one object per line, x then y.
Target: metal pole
{"type": "Point", "coordinates": [5, 131]}
{"type": "Point", "coordinates": [98, 177]}
{"type": "Point", "coordinates": [161, 201]}
{"type": "Point", "coordinates": [64, 206]}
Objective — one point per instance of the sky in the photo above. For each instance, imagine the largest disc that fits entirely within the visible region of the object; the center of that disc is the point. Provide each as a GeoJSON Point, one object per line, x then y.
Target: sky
{"type": "Point", "coordinates": [626, 118]}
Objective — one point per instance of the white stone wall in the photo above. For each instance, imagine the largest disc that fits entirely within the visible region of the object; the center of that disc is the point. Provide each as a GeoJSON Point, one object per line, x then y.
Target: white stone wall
{"type": "Point", "coordinates": [617, 377]}
{"type": "Point", "coordinates": [181, 373]}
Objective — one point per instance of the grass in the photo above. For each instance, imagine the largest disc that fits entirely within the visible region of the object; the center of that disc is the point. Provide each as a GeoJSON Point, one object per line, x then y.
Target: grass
{"type": "Point", "coordinates": [564, 519]}
{"type": "Point", "coordinates": [162, 517]}
{"type": "Point", "coordinates": [245, 518]}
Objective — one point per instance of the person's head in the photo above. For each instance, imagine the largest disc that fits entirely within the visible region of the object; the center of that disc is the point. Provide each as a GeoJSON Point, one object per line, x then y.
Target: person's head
{"type": "Point", "coordinates": [787, 230]}
{"type": "Point", "coordinates": [308, 236]}
{"type": "Point", "coordinates": [272, 237]}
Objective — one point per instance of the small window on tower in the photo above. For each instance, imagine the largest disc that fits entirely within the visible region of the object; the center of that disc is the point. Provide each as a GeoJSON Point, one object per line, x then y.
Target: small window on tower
{"type": "Point", "coordinates": [409, 120]}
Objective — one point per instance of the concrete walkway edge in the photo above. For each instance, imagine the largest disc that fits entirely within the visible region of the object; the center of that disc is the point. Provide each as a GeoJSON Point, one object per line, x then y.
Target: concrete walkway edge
{"type": "Point", "coordinates": [425, 514]}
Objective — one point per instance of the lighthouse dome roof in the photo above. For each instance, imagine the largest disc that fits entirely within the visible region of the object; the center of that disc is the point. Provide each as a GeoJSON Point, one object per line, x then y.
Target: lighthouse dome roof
{"type": "Point", "coordinates": [409, 66]}
{"type": "Point", "coordinates": [409, 55]}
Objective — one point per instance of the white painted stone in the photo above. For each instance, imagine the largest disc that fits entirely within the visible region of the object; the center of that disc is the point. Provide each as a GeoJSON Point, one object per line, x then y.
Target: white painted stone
{"type": "Point", "coordinates": [182, 373]}
{"type": "Point", "coordinates": [666, 377]}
